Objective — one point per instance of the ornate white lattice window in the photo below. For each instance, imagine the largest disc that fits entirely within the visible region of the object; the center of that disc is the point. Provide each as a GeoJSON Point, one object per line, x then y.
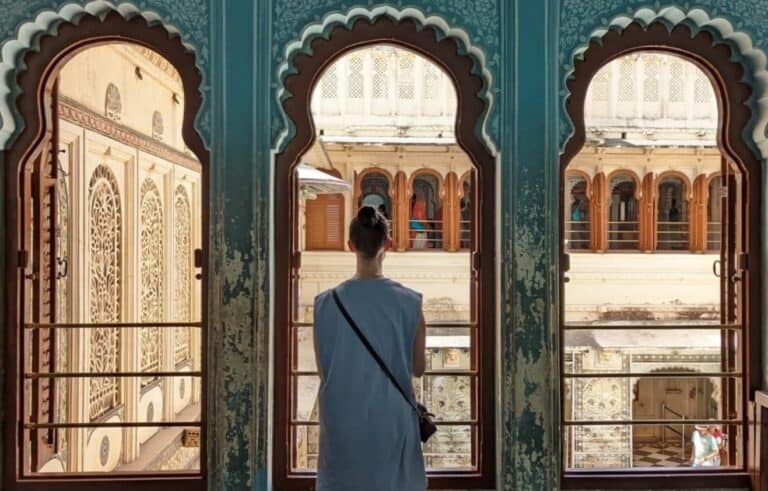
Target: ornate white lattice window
{"type": "Point", "coordinates": [600, 87]}
{"type": "Point", "coordinates": [105, 295]}
{"type": "Point", "coordinates": [113, 105]}
{"type": "Point", "coordinates": [183, 282]}
{"type": "Point", "coordinates": [651, 81]}
{"type": "Point", "coordinates": [431, 82]}
{"type": "Point", "coordinates": [380, 78]}
{"type": "Point", "coordinates": [676, 83]}
{"type": "Point", "coordinates": [329, 87]}
{"type": "Point", "coordinates": [626, 81]}
{"type": "Point", "coordinates": [702, 89]}
{"type": "Point", "coordinates": [405, 81]}
{"type": "Point", "coordinates": [151, 272]}
{"type": "Point", "coordinates": [355, 81]}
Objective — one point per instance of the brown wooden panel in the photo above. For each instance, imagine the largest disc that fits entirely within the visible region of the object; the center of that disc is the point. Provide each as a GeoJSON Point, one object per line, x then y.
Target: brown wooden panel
{"type": "Point", "coordinates": [324, 223]}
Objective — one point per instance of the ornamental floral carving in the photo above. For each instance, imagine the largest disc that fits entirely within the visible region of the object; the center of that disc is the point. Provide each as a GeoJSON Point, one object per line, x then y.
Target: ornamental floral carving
{"type": "Point", "coordinates": [183, 282]}
{"type": "Point", "coordinates": [151, 273]}
{"type": "Point", "coordinates": [105, 286]}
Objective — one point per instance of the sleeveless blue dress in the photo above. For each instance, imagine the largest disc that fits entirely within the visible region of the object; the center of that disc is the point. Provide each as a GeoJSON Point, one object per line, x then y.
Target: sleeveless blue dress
{"type": "Point", "coordinates": [369, 435]}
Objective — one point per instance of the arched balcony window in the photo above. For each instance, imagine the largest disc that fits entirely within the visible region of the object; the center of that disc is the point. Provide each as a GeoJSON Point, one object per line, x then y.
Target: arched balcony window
{"type": "Point", "coordinates": [623, 221]}
{"type": "Point", "coordinates": [425, 226]}
{"type": "Point", "coordinates": [375, 191]}
{"type": "Point", "coordinates": [577, 212]}
{"type": "Point", "coordinates": [672, 214]}
{"type": "Point", "coordinates": [714, 209]}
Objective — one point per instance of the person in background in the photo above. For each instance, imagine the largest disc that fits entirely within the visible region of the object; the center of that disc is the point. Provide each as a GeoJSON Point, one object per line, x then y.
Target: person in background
{"type": "Point", "coordinates": [718, 435]}
{"type": "Point", "coordinates": [369, 434]}
{"type": "Point", "coordinates": [383, 211]}
{"type": "Point", "coordinates": [705, 449]}
{"type": "Point", "coordinates": [575, 211]}
{"type": "Point", "coordinates": [418, 222]}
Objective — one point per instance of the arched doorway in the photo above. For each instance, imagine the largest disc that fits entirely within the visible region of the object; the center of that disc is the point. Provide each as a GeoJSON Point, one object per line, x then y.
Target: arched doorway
{"type": "Point", "coordinates": [403, 35]}
{"type": "Point", "coordinates": [37, 206]}
{"type": "Point", "coordinates": [741, 306]}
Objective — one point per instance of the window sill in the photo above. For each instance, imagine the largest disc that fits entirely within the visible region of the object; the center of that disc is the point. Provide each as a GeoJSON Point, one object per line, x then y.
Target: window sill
{"type": "Point", "coordinates": [113, 483]}
{"type": "Point", "coordinates": [657, 480]}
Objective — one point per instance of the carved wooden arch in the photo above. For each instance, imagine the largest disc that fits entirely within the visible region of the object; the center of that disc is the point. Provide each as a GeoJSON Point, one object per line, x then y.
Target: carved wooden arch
{"type": "Point", "coordinates": [726, 74]}
{"type": "Point", "coordinates": [37, 73]}
{"type": "Point", "coordinates": [428, 172]}
{"type": "Point", "coordinates": [632, 175]}
{"type": "Point", "coordinates": [467, 175]}
{"type": "Point", "coordinates": [372, 170]}
{"type": "Point", "coordinates": [445, 52]}
{"type": "Point", "coordinates": [587, 179]}
{"type": "Point", "coordinates": [687, 185]}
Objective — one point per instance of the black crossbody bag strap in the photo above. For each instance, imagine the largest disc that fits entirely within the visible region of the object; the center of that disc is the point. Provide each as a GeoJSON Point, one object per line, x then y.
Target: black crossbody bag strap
{"type": "Point", "coordinates": [370, 349]}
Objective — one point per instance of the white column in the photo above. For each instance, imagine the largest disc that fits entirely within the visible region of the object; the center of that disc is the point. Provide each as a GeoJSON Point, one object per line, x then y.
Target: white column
{"type": "Point", "coordinates": [392, 77]}
{"type": "Point", "coordinates": [418, 84]}
{"type": "Point", "coordinates": [341, 88]}
{"type": "Point", "coordinates": [613, 90]}
{"type": "Point", "coordinates": [367, 83]}
{"type": "Point", "coordinates": [664, 86]}
{"type": "Point", "coordinates": [638, 106]}
{"type": "Point", "coordinates": [167, 362]}
{"type": "Point", "coordinates": [79, 395]}
{"type": "Point", "coordinates": [689, 80]}
{"type": "Point", "coordinates": [130, 347]}
{"type": "Point", "coordinates": [196, 334]}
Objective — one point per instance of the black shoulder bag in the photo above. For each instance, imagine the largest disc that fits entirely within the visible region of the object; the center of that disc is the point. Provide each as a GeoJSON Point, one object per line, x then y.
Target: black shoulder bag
{"type": "Point", "coordinates": [426, 427]}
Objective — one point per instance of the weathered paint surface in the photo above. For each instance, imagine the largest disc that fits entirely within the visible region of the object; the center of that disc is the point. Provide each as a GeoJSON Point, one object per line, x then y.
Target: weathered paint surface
{"type": "Point", "coordinates": [527, 46]}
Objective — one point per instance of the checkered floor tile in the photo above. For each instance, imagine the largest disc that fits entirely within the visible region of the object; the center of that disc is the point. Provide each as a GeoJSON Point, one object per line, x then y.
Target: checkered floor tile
{"type": "Point", "coordinates": [658, 455]}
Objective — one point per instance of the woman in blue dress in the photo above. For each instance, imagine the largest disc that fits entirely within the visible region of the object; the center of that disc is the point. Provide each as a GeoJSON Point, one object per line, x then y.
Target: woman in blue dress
{"type": "Point", "coordinates": [369, 434]}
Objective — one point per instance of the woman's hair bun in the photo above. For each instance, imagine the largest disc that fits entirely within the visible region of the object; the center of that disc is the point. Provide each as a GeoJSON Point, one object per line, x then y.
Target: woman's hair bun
{"type": "Point", "coordinates": [367, 216]}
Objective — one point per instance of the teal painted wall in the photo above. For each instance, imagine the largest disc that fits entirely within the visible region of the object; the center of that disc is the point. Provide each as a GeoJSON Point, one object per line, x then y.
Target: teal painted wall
{"type": "Point", "coordinates": [527, 45]}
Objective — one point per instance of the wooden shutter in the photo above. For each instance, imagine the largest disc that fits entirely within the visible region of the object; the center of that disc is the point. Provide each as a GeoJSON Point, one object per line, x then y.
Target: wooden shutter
{"type": "Point", "coordinates": [43, 262]}
{"type": "Point", "coordinates": [325, 223]}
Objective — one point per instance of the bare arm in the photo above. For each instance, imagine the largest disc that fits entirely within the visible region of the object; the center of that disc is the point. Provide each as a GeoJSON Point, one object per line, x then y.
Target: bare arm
{"type": "Point", "coordinates": [419, 347]}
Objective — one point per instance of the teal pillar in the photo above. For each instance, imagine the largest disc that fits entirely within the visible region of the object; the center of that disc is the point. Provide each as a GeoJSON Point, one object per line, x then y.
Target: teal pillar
{"type": "Point", "coordinates": [529, 354]}
{"type": "Point", "coordinates": [239, 303]}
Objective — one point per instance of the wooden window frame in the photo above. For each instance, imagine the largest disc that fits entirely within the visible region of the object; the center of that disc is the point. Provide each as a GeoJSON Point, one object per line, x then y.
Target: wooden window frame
{"type": "Point", "coordinates": [39, 75]}
{"type": "Point", "coordinates": [411, 35]}
{"type": "Point", "coordinates": [715, 60]}
{"type": "Point", "coordinates": [570, 173]}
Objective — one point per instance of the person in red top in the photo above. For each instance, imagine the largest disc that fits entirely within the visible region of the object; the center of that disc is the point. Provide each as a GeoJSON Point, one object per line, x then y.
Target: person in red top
{"type": "Point", "coordinates": [418, 221]}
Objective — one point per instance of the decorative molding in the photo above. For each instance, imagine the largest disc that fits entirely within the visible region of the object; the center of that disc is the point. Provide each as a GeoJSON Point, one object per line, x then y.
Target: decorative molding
{"type": "Point", "coordinates": [575, 16]}
{"type": "Point", "coordinates": [159, 61]}
{"type": "Point", "coordinates": [282, 125]}
{"type": "Point", "coordinates": [75, 113]}
{"type": "Point", "coordinates": [24, 37]}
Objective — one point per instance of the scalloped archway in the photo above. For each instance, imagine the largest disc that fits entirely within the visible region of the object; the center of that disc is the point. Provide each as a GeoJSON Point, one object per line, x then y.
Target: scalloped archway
{"type": "Point", "coordinates": [29, 66]}
{"type": "Point", "coordinates": [738, 75]}
{"type": "Point", "coordinates": [319, 46]}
